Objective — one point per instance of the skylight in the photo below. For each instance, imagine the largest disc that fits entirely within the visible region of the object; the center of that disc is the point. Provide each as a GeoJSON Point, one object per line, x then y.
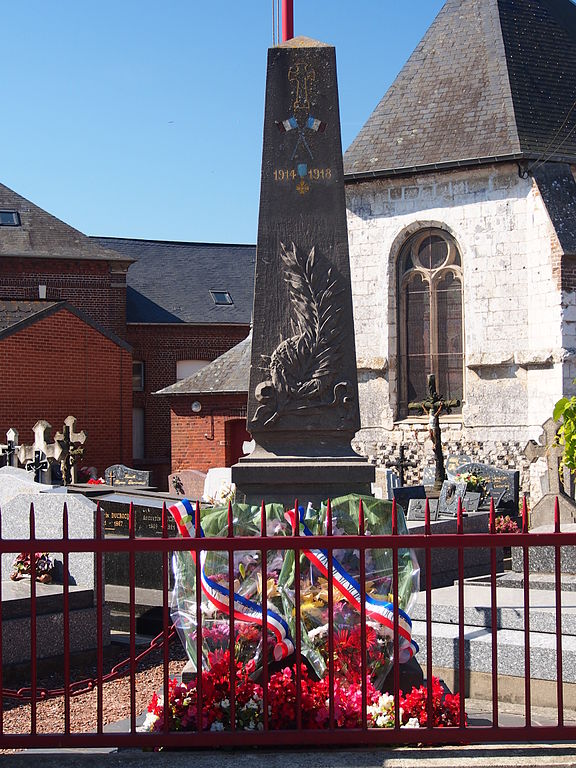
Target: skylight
{"type": "Point", "coordinates": [9, 219]}
{"type": "Point", "coordinates": [221, 297]}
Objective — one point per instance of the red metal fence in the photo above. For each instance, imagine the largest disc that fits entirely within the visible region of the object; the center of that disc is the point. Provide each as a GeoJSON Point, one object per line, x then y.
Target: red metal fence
{"type": "Point", "coordinates": [296, 734]}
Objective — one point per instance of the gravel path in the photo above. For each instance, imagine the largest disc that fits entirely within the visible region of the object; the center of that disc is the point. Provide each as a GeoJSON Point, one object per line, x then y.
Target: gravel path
{"type": "Point", "coordinates": [83, 707]}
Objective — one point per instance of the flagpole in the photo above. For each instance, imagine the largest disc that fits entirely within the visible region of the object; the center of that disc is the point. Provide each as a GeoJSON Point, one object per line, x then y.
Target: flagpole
{"type": "Point", "coordinates": [287, 20]}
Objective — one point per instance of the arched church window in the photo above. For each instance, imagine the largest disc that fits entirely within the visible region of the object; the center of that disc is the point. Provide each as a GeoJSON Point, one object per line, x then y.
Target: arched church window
{"type": "Point", "coordinates": [431, 333]}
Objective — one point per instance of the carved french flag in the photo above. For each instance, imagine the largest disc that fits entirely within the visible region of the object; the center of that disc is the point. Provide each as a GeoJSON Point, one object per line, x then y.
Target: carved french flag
{"type": "Point", "coordinates": [287, 125]}
{"type": "Point", "coordinates": [316, 125]}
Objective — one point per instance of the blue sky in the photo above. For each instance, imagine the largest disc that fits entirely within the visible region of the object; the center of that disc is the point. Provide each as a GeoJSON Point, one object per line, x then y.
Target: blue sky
{"type": "Point", "coordinates": [135, 118]}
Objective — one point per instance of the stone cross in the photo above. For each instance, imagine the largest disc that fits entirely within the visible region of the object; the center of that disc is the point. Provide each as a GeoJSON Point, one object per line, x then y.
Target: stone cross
{"type": "Point", "coordinates": [71, 444]}
{"type": "Point", "coordinates": [551, 451]}
{"type": "Point", "coordinates": [559, 482]}
{"type": "Point", "coordinates": [401, 464]}
{"type": "Point", "coordinates": [42, 445]}
{"type": "Point", "coordinates": [433, 406]}
{"type": "Point", "coordinates": [11, 448]}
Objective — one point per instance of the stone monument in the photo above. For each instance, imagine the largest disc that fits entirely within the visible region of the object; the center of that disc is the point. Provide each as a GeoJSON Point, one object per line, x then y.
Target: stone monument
{"type": "Point", "coordinates": [303, 394]}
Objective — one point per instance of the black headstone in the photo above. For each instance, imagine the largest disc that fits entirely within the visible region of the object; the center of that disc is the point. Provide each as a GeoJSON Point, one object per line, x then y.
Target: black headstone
{"type": "Point", "coordinates": [417, 509]}
{"type": "Point", "coordinates": [303, 393]}
{"type": "Point", "coordinates": [118, 474]}
{"type": "Point", "coordinates": [404, 493]}
{"type": "Point", "coordinates": [504, 484]}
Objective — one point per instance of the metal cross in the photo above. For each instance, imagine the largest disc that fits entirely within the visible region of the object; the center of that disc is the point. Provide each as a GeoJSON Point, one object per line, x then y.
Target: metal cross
{"type": "Point", "coordinates": [401, 464]}
{"type": "Point", "coordinates": [433, 406]}
{"type": "Point", "coordinates": [39, 465]}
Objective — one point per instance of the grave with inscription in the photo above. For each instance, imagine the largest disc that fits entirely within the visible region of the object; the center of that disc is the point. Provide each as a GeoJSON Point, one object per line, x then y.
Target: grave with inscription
{"type": "Point", "coordinates": [118, 474]}
{"type": "Point", "coordinates": [450, 495]}
{"type": "Point", "coordinates": [503, 484]}
{"type": "Point", "coordinates": [403, 494]}
{"type": "Point", "coordinates": [188, 483]}
{"type": "Point", "coordinates": [417, 509]}
{"type": "Point", "coordinates": [303, 394]}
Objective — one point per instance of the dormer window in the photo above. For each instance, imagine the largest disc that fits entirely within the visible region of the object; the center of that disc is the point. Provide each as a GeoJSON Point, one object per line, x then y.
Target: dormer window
{"type": "Point", "coordinates": [221, 297]}
{"type": "Point", "coordinates": [9, 219]}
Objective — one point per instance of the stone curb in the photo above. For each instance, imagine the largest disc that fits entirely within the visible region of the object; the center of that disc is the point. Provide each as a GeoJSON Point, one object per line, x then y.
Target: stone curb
{"type": "Point", "coordinates": [504, 755]}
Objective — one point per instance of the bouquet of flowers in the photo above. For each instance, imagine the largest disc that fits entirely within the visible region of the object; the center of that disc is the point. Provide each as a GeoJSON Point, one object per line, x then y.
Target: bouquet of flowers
{"type": "Point", "coordinates": [474, 483]}
{"type": "Point", "coordinates": [248, 592]}
{"type": "Point", "coordinates": [43, 567]}
{"type": "Point", "coordinates": [505, 524]}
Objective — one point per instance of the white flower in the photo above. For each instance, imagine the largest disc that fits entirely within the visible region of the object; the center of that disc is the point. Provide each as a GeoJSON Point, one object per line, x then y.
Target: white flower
{"type": "Point", "coordinates": [149, 721]}
{"type": "Point", "coordinates": [225, 703]}
{"type": "Point", "coordinates": [412, 723]}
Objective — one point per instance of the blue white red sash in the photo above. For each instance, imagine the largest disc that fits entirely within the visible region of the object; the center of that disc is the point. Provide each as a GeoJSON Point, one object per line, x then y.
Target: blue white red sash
{"type": "Point", "coordinates": [379, 610]}
{"type": "Point", "coordinates": [246, 610]}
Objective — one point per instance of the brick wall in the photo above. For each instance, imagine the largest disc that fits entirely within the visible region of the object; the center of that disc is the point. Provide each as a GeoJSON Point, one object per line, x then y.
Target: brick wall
{"type": "Point", "coordinates": [200, 441]}
{"type": "Point", "coordinates": [160, 347]}
{"type": "Point", "coordinates": [59, 366]}
{"type": "Point", "coordinates": [95, 287]}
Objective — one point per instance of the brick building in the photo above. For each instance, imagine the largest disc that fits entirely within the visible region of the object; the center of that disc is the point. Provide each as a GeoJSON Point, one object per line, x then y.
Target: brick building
{"type": "Point", "coordinates": [91, 327]}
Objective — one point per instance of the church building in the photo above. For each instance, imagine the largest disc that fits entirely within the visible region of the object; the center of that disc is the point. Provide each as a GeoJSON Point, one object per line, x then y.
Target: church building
{"type": "Point", "coordinates": [461, 202]}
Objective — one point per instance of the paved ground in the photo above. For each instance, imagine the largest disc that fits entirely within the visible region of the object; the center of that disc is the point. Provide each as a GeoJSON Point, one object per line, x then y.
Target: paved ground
{"type": "Point", "coordinates": [479, 712]}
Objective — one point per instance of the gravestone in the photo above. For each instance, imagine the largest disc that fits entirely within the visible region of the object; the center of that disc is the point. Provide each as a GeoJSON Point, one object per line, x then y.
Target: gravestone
{"type": "Point", "coordinates": [417, 509]}
{"type": "Point", "coordinates": [403, 494]}
{"type": "Point", "coordinates": [188, 483]}
{"type": "Point", "coordinates": [39, 457]}
{"type": "Point", "coordinates": [542, 513]}
{"type": "Point", "coordinates": [118, 474]}
{"type": "Point", "coordinates": [303, 394]}
{"type": "Point", "coordinates": [9, 451]}
{"type": "Point", "coordinates": [429, 476]}
{"type": "Point", "coordinates": [503, 482]}
{"type": "Point", "coordinates": [217, 485]}
{"type": "Point", "coordinates": [16, 496]}
{"type": "Point", "coordinates": [455, 461]}
{"type": "Point", "coordinates": [450, 494]}
{"type": "Point", "coordinates": [471, 501]}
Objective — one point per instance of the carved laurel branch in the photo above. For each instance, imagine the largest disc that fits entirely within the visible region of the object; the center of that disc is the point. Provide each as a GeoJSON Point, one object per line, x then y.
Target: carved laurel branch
{"type": "Point", "coordinates": [303, 367]}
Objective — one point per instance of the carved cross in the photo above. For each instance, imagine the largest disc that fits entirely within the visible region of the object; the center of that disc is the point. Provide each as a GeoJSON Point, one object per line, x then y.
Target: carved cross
{"type": "Point", "coordinates": [553, 454]}
{"type": "Point", "coordinates": [71, 443]}
{"type": "Point", "coordinates": [10, 449]}
{"type": "Point", "coordinates": [434, 405]}
{"type": "Point", "coordinates": [301, 75]}
{"type": "Point", "coordinates": [401, 464]}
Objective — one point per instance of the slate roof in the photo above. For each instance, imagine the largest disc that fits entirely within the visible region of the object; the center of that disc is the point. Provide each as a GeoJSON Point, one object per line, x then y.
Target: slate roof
{"type": "Point", "coordinates": [229, 373]}
{"type": "Point", "coordinates": [170, 282]}
{"type": "Point", "coordinates": [491, 79]}
{"type": "Point", "coordinates": [41, 235]}
{"type": "Point", "coordinates": [17, 314]}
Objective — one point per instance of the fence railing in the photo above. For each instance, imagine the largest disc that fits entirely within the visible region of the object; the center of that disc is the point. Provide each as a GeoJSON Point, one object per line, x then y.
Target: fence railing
{"type": "Point", "coordinates": [251, 713]}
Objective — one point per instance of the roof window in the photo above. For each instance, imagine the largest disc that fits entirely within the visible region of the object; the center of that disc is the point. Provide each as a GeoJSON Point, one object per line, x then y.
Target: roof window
{"type": "Point", "coordinates": [9, 219]}
{"type": "Point", "coordinates": [221, 297]}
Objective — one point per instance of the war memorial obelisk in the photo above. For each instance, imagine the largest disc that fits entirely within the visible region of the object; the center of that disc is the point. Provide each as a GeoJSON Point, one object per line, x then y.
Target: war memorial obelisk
{"type": "Point", "coordinates": [303, 394]}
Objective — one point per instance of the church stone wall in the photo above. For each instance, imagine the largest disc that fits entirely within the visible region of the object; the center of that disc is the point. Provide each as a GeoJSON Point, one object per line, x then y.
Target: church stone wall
{"type": "Point", "coordinates": [514, 310]}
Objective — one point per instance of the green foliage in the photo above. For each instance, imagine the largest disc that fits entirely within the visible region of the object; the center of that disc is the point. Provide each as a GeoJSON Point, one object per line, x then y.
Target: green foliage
{"type": "Point", "coordinates": [565, 410]}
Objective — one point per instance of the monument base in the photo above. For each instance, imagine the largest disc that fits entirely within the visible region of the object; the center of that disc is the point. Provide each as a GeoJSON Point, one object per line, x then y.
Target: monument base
{"type": "Point", "coordinates": [314, 479]}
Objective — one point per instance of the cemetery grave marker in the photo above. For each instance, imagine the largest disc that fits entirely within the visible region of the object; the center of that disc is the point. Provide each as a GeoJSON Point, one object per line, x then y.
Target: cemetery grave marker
{"type": "Point", "coordinates": [417, 509]}
{"type": "Point", "coordinates": [433, 406]}
{"type": "Point", "coordinates": [71, 445]}
{"type": "Point", "coordinates": [10, 449]}
{"type": "Point", "coordinates": [120, 475]}
{"type": "Point", "coordinates": [403, 494]}
{"type": "Point", "coordinates": [542, 512]}
{"type": "Point", "coordinates": [401, 463]}
{"type": "Point", "coordinates": [502, 481]}
{"type": "Point", "coordinates": [37, 457]}
{"type": "Point", "coordinates": [450, 495]}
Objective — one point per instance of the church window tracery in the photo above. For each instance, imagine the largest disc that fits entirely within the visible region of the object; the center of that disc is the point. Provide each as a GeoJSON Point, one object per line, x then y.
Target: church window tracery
{"type": "Point", "coordinates": [431, 336]}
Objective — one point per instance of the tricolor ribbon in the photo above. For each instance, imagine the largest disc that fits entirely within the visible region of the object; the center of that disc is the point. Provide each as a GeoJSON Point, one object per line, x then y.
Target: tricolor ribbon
{"type": "Point", "coordinates": [379, 610]}
{"type": "Point", "coordinates": [246, 610]}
